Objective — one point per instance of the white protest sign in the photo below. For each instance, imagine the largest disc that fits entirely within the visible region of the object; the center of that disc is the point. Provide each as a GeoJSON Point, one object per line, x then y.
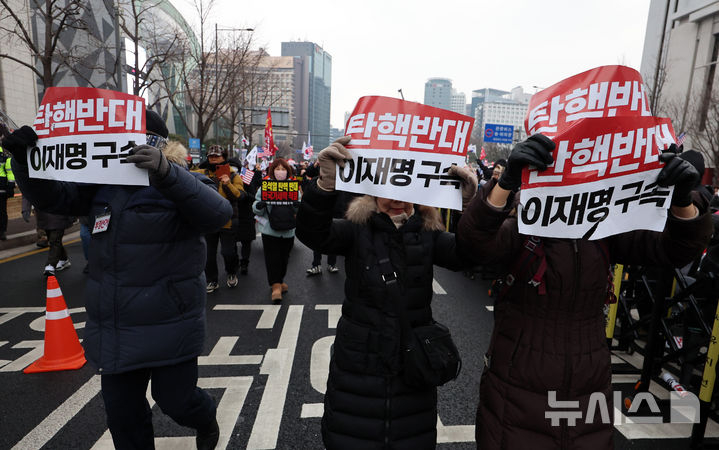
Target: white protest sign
{"type": "Point", "coordinates": [403, 150]}
{"type": "Point", "coordinates": [85, 135]}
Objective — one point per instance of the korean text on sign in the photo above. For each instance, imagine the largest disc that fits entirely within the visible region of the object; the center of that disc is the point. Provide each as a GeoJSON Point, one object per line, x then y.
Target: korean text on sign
{"type": "Point", "coordinates": [280, 192]}
{"type": "Point", "coordinates": [403, 150]}
{"type": "Point", "coordinates": [598, 179]}
{"type": "Point", "coordinates": [607, 91]}
{"type": "Point", "coordinates": [85, 135]}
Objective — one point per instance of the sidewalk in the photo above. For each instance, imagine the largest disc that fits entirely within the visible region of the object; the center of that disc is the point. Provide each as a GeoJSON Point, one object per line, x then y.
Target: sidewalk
{"type": "Point", "coordinates": [21, 235]}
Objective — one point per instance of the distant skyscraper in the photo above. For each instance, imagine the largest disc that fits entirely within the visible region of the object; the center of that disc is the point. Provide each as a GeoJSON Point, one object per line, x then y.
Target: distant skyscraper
{"type": "Point", "coordinates": [438, 93]}
{"type": "Point", "coordinates": [458, 103]}
{"type": "Point", "coordinates": [313, 93]}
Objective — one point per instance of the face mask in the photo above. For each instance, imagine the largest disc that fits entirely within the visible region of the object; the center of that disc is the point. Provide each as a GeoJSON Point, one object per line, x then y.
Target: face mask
{"type": "Point", "coordinates": [280, 175]}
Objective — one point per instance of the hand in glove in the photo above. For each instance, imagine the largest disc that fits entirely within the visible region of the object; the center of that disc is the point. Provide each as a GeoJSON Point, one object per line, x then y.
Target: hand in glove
{"type": "Point", "coordinates": [535, 151]}
{"type": "Point", "coordinates": [150, 158]}
{"type": "Point", "coordinates": [678, 173]}
{"type": "Point", "coordinates": [328, 159]}
{"type": "Point", "coordinates": [10, 189]}
{"type": "Point", "coordinates": [26, 215]}
{"type": "Point", "coordinates": [18, 142]}
{"type": "Point", "coordinates": [469, 182]}
{"type": "Point", "coordinates": [260, 205]}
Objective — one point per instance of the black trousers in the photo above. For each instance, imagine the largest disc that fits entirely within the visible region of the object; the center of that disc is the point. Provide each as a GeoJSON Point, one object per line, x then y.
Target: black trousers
{"type": "Point", "coordinates": [3, 213]}
{"type": "Point", "coordinates": [175, 390]}
{"type": "Point", "coordinates": [245, 251]}
{"type": "Point", "coordinates": [228, 248]}
{"type": "Point", "coordinates": [56, 251]}
{"type": "Point", "coordinates": [277, 255]}
{"type": "Point", "coordinates": [317, 259]}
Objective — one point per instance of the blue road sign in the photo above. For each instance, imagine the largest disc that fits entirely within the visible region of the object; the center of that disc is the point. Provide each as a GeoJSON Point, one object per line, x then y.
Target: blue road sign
{"type": "Point", "coordinates": [195, 143]}
{"type": "Point", "coordinates": [501, 134]}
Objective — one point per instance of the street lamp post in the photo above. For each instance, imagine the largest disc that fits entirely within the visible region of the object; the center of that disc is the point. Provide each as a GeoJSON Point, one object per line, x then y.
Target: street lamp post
{"type": "Point", "coordinates": [217, 71]}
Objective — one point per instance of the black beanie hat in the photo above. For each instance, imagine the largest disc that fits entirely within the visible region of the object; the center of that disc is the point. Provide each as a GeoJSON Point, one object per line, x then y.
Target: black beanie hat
{"type": "Point", "coordinates": [155, 124]}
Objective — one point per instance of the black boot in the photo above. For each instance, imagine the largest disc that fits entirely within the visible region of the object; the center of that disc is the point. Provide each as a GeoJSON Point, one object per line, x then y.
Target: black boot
{"type": "Point", "coordinates": [207, 439]}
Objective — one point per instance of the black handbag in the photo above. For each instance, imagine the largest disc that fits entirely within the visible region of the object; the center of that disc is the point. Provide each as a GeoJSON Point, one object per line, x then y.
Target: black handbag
{"type": "Point", "coordinates": [429, 356]}
{"type": "Point", "coordinates": [282, 217]}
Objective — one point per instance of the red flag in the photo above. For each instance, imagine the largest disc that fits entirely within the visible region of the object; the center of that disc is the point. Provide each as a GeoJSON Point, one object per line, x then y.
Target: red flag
{"type": "Point", "coordinates": [270, 147]}
{"type": "Point", "coordinates": [482, 155]}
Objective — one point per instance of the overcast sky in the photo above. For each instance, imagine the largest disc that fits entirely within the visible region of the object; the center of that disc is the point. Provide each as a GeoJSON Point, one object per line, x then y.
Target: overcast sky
{"type": "Point", "coordinates": [380, 46]}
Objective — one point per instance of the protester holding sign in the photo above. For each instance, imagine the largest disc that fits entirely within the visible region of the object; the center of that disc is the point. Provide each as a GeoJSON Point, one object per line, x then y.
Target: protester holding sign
{"type": "Point", "coordinates": [549, 331]}
{"type": "Point", "coordinates": [386, 242]}
{"type": "Point", "coordinates": [277, 224]}
{"type": "Point", "coordinates": [229, 185]}
{"type": "Point", "coordinates": [145, 296]}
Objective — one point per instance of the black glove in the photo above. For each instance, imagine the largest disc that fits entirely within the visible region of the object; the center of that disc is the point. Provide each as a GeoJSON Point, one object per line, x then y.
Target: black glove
{"type": "Point", "coordinates": [10, 189]}
{"type": "Point", "coordinates": [18, 142]}
{"type": "Point", "coordinates": [678, 173]}
{"type": "Point", "coordinates": [26, 215]}
{"type": "Point", "coordinates": [260, 205]}
{"type": "Point", "coordinates": [535, 151]}
{"type": "Point", "coordinates": [150, 158]}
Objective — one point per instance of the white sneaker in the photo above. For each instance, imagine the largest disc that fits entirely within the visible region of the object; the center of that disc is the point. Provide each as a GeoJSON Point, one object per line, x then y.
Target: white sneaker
{"type": "Point", "coordinates": [49, 270]}
{"type": "Point", "coordinates": [314, 270]}
{"type": "Point", "coordinates": [231, 280]}
{"type": "Point", "coordinates": [62, 264]}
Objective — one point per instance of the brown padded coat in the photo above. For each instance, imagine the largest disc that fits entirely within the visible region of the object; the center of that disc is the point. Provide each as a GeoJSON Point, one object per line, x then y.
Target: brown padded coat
{"type": "Point", "coordinates": [556, 342]}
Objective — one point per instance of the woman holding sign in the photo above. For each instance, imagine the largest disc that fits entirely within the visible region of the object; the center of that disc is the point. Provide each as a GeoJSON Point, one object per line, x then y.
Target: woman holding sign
{"type": "Point", "coordinates": [277, 225]}
{"type": "Point", "coordinates": [373, 400]}
{"type": "Point", "coordinates": [548, 350]}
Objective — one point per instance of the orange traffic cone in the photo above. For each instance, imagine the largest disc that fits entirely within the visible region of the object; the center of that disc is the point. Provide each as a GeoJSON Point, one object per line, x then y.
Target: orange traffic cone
{"type": "Point", "coordinates": [62, 347]}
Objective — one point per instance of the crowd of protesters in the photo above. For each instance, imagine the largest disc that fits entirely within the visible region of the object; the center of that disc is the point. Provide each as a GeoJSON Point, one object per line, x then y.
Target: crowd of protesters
{"type": "Point", "coordinates": [548, 335]}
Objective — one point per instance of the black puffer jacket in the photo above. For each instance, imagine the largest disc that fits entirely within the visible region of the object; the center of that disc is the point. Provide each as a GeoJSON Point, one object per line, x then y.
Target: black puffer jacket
{"type": "Point", "coordinates": [367, 406]}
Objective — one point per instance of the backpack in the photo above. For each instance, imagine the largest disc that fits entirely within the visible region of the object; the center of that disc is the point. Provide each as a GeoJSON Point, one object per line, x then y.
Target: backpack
{"type": "Point", "coordinates": [282, 217]}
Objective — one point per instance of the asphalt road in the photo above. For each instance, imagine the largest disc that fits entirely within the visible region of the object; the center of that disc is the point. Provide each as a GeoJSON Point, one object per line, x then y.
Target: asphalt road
{"type": "Point", "coordinates": [265, 365]}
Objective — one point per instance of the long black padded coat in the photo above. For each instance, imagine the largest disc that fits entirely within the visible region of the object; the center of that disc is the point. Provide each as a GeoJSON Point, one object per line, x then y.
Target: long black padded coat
{"type": "Point", "coordinates": [367, 406]}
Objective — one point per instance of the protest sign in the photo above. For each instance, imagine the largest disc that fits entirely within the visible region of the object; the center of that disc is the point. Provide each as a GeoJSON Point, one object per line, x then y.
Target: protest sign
{"type": "Point", "coordinates": [607, 91]}
{"type": "Point", "coordinates": [403, 150]}
{"type": "Point", "coordinates": [85, 135]}
{"type": "Point", "coordinates": [280, 192]}
{"type": "Point", "coordinates": [606, 160]}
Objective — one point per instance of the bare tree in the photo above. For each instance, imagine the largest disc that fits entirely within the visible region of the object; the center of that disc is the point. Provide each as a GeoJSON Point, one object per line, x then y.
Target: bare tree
{"type": "Point", "coordinates": [141, 27]}
{"type": "Point", "coordinates": [54, 17]}
{"type": "Point", "coordinates": [702, 128]}
{"type": "Point", "coordinates": [202, 75]}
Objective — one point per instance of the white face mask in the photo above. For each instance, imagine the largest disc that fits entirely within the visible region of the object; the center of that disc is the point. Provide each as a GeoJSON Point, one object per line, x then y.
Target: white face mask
{"type": "Point", "coordinates": [280, 175]}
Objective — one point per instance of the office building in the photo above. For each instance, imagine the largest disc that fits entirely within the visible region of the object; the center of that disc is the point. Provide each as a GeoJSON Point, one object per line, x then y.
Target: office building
{"type": "Point", "coordinates": [313, 89]}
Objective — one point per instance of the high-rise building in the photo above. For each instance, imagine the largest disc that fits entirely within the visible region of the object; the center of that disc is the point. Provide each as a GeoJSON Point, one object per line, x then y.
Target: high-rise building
{"type": "Point", "coordinates": [500, 107]}
{"type": "Point", "coordinates": [438, 93]}
{"type": "Point", "coordinates": [679, 68]}
{"type": "Point", "coordinates": [459, 102]}
{"type": "Point", "coordinates": [313, 91]}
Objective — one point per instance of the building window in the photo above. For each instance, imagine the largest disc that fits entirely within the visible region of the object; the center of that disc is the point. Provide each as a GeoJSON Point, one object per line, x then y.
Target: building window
{"type": "Point", "coordinates": [709, 85]}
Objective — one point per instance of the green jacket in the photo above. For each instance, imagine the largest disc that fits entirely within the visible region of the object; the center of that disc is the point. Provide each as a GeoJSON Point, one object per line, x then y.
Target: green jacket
{"type": "Point", "coordinates": [7, 179]}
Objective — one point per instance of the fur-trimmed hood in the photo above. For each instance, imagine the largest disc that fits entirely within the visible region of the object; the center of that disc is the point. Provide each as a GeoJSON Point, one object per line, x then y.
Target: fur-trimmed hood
{"type": "Point", "coordinates": [176, 153]}
{"type": "Point", "coordinates": [361, 209]}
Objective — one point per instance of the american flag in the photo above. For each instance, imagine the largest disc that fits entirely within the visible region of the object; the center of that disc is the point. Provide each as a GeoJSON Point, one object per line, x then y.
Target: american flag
{"type": "Point", "coordinates": [247, 175]}
{"type": "Point", "coordinates": [680, 139]}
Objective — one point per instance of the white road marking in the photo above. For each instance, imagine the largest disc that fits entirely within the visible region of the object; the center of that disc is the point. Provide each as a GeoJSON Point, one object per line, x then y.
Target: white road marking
{"type": "Point", "coordinates": [320, 363]}
{"type": "Point", "coordinates": [220, 354]}
{"type": "Point", "coordinates": [437, 288]}
{"type": "Point", "coordinates": [653, 431]}
{"type": "Point", "coordinates": [333, 314]}
{"type": "Point", "coordinates": [312, 410]}
{"type": "Point", "coordinates": [454, 433]}
{"type": "Point", "coordinates": [38, 348]}
{"type": "Point", "coordinates": [7, 314]}
{"type": "Point", "coordinates": [41, 434]}
{"type": "Point", "coordinates": [4, 361]}
{"type": "Point", "coordinates": [489, 308]}
{"type": "Point", "coordinates": [267, 319]}
{"type": "Point", "coordinates": [278, 365]}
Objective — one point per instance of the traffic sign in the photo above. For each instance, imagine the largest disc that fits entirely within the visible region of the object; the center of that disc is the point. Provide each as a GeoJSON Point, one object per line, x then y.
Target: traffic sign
{"type": "Point", "coordinates": [501, 134]}
{"type": "Point", "coordinates": [194, 143]}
